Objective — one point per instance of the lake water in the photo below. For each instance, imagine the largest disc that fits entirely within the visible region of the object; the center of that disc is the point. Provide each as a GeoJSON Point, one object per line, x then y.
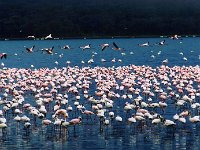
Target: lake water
{"type": "Point", "coordinates": [134, 54]}
{"type": "Point", "coordinates": [89, 135]}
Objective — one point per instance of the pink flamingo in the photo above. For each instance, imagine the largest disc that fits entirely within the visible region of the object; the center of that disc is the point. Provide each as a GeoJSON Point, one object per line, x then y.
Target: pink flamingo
{"type": "Point", "coordinates": [75, 121]}
{"type": "Point", "coordinates": [87, 113]}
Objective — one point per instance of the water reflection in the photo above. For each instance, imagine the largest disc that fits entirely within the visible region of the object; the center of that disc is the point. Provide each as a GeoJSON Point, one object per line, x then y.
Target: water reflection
{"type": "Point", "coordinates": [110, 137]}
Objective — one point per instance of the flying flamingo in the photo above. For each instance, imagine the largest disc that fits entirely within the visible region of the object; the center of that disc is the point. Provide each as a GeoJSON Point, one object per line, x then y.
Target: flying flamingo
{"type": "Point", "coordinates": [48, 50]}
{"type": "Point", "coordinates": [3, 55]}
{"type": "Point", "coordinates": [103, 46]}
{"type": "Point", "coordinates": [116, 47]}
{"type": "Point", "coordinates": [30, 50]}
{"type": "Point", "coordinates": [85, 47]}
{"type": "Point", "coordinates": [144, 44]}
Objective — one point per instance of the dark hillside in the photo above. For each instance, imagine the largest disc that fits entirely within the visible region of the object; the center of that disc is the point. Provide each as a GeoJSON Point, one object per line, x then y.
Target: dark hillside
{"type": "Point", "coordinates": [74, 18]}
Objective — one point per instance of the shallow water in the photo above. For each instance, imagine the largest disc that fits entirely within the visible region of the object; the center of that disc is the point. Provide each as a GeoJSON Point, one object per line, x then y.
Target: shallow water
{"type": "Point", "coordinates": [90, 135]}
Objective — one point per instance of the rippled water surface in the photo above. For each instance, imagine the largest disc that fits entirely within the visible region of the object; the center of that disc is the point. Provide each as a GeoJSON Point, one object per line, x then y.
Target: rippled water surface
{"type": "Point", "coordinates": [133, 53]}
{"type": "Point", "coordinates": [90, 134]}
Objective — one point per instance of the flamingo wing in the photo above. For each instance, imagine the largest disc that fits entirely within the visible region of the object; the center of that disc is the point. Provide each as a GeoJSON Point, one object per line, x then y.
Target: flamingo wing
{"type": "Point", "coordinates": [115, 45]}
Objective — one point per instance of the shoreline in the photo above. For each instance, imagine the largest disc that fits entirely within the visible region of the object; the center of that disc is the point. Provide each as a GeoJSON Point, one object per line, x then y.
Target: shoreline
{"type": "Point", "coordinates": [97, 37]}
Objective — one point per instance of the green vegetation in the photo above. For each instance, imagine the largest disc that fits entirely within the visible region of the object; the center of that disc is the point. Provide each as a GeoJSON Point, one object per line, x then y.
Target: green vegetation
{"type": "Point", "coordinates": [80, 18]}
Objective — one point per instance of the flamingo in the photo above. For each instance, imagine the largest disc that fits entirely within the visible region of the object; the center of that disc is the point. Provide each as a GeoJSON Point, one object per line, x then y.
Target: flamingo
{"type": "Point", "coordinates": [48, 50]}
{"type": "Point", "coordinates": [131, 120]}
{"type": "Point", "coordinates": [184, 58]}
{"type": "Point", "coordinates": [27, 125]}
{"type": "Point", "coordinates": [87, 113]}
{"type": "Point", "coordinates": [75, 121]}
{"type": "Point", "coordinates": [168, 122]}
{"type": "Point", "coordinates": [174, 37]}
{"type": "Point", "coordinates": [164, 62]}
{"type": "Point", "coordinates": [161, 42]}
{"type": "Point", "coordinates": [182, 119]}
{"type": "Point", "coordinates": [3, 126]}
{"type": "Point", "coordinates": [31, 37]}
{"type": "Point", "coordinates": [30, 50]}
{"type": "Point", "coordinates": [116, 47]}
{"type": "Point", "coordinates": [103, 46]}
{"type": "Point", "coordinates": [144, 44]}
{"type": "Point", "coordinates": [46, 122]}
{"type": "Point", "coordinates": [118, 118]}
{"type": "Point", "coordinates": [3, 55]}
{"type": "Point", "coordinates": [85, 47]}
{"type": "Point", "coordinates": [48, 37]}
{"type": "Point", "coordinates": [106, 122]}
{"type": "Point", "coordinates": [194, 119]}
{"type": "Point", "coordinates": [66, 47]}
{"type": "Point", "coordinates": [156, 121]}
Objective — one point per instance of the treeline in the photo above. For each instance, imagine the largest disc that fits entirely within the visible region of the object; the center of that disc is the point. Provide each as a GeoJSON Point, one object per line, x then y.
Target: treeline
{"type": "Point", "coordinates": [80, 18]}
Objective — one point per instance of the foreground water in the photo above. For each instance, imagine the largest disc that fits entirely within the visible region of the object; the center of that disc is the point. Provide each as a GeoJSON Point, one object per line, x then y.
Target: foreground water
{"type": "Point", "coordinates": [90, 135]}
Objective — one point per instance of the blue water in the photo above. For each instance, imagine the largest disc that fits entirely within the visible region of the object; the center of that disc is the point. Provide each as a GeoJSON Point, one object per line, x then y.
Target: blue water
{"type": "Point", "coordinates": [140, 56]}
{"type": "Point", "coordinates": [89, 135]}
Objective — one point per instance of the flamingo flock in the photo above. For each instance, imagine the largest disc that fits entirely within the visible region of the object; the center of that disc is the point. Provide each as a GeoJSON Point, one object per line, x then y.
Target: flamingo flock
{"type": "Point", "coordinates": [72, 100]}
{"type": "Point", "coordinates": [72, 96]}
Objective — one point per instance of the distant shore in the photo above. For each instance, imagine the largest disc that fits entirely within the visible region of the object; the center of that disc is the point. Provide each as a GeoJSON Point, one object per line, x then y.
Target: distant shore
{"type": "Point", "coordinates": [97, 37]}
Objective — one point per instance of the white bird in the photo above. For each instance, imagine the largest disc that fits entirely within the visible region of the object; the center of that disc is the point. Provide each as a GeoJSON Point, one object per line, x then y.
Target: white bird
{"type": "Point", "coordinates": [156, 121]}
{"type": "Point", "coordinates": [86, 47]}
{"type": "Point", "coordinates": [106, 122]}
{"type": "Point", "coordinates": [27, 125]}
{"type": "Point", "coordinates": [90, 61]}
{"type": "Point", "coordinates": [176, 117]}
{"type": "Point", "coordinates": [31, 37]}
{"type": "Point", "coordinates": [49, 36]}
{"type": "Point", "coordinates": [1, 112]}
{"type": "Point", "coordinates": [103, 60]}
{"type": "Point", "coordinates": [3, 125]}
{"type": "Point", "coordinates": [152, 56]}
{"type": "Point", "coordinates": [56, 62]}
{"type": "Point", "coordinates": [119, 60]}
{"type": "Point", "coordinates": [111, 114]}
{"type": "Point", "coordinates": [181, 53]}
{"type": "Point", "coordinates": [132, 120]}
{"type": "Point", "coordinates": [103, 46]}
{"type": "Point", "coordinates": [17, 118]}
{"type": "Point", "coordinates": [69, 108]}
{"type": "Point", "coordinates": [118, 118]}
{"type": "Point", "coordinates": [184, 58]}
{"type": "Point", "coordinates": [164, 62]}
{"type": "Point", "coordinates": [2, 64]}
{"type": "Point", "coordinates": [113, 60]}
{"type": "Point", "coordinates": [3, 120]}
{"type": "Point", "coordinates": [169, 122]}
{"type": "Point", "coordinates": [123, 54]}
{"type": "Point", "coordinates": [194, 119]}
{"type": "Point", "coordinates": [144, 44]}
{"type": "Point", "coordinates": [182, 119]}
{"type": "Point", "coordinates": [66, 47]}
{"type": "Point", "coordinates": [161, 42]}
